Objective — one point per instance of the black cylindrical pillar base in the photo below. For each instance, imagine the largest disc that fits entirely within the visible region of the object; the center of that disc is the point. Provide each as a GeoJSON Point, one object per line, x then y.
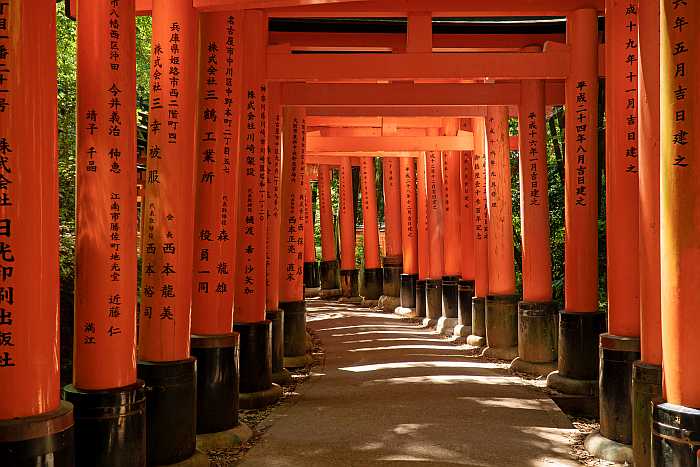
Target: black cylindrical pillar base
{"type": "Point", "coordinates": [479, 316]}
{"type": "Point", "coordinates": [329, 275]}
{"type": "Point", "coordinates": [433, 298]}
{"type": "Point", "coordinates": [675, 436]}
{"type": "Point", "coordinates": [41, 441]}
{"type": "Point", "coordinates": [502, 321]}
{"type": "Point", "coordinates": [465, 289]}
{"type": "Point", "coordinates": [349, 284]}
{"type": "Point", "coordinates": [408, 290]}
{"type": "Point", "coordinates": [646, 388]}
{"type": "Point", "coordinates": [279, 374]}
{"type": "Point", "coordinates": [578, 344]}
{"type": "Point", "coordinates": [391, 281]}
{"type": "Point", "coordinates": [256, 387]}
{"type": "Point", "coordinates": [171, 401]}
{"type": "Point", "coordinates": [617, 354]}
{"type": "Point", "coordinates": [538, 332]}
{"type": "Point", "coordinates": [311, 275]}
{"type": "Point", "coordinates": [450, 297]}
{"type": "Point", "coordinates": [294, 334]}
{"type": "Point", "coordinates": [110, 426]}
{"type": "Point", "coordinates": [372, 283]}
{"type": "Point", "coordinates": [217, 381]}
{"type": "Point", "coordinates": [421, 299]}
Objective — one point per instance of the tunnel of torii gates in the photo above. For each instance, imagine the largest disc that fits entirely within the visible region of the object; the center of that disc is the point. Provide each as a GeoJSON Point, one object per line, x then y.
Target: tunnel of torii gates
{"type": "Point", "coordinates": [243, 116]}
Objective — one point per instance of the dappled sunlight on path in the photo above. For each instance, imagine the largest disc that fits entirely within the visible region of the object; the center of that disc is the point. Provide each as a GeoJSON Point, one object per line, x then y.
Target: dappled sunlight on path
{"type": "Point", "coordinates": [392, 392]}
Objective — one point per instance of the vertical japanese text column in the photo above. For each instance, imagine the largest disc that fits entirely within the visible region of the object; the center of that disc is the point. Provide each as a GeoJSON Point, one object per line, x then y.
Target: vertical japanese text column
{"type": "Point", "coordinates": [452, 195]}
{"type": "Point", "coordinates": [620, 347]}
{"type": "Point", "coordinates": [167, 240]}
{"type": "Point", "coordinates": [467, 241]}
{"type": "Point", "coordinates": [409, 231]}
{"type": "Point", "coordinates": [213, 343]}
{"type": "Point", "coordinates": [348, 274]}
{"type": "Point", "coordinates": [249, 296]}
{"type": "Point", "coordinates": [646, 373]}
{"type": "Point", "coordinates": [434, 189]}
{"type": "Point", "coordinates": [329, 260]}
{"type": "Point", "coordinates": [537, 315]}
{"type": "Point", "coordinates": [372, 272]}
{"type": "Point", "coordinates": [680, 242]}
{"type": "Point", "coordinates": [580, 323]}
{"type": "Point", "coordinates": [29, 281]}
{"type": "Point", "coordinates": [292, 242]}
{"type": "Point", "coordinates": [105, 298]}
{"type": "Point", "coordinates": [481, 234]}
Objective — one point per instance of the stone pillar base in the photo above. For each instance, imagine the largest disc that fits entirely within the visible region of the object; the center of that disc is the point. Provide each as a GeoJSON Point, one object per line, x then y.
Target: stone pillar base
{"type": "Point", "coordinates": [617, 354]}
{"type": "Point", "coordinates": [392, 267]}
{"type": "Point", "coordinates": [405, 312]}
{"type": "Point", "coordinates": [171, 401]}
{"type": "Point", "coordinates": [198, 459]}
{"type": "Point", "coordinates": [349, 283]}
{"type": "Point", "coordinates": [329, 275]}
{"type": "Point", "coordinates": [217, 381]}
{"type": "Point", "coordinates": [255, 363]}
{"type": "Point", "coordinates": [228, 439]}
{"type": "Point", "coordinates": [604, 448]}
{"type": "Point", "coordinates": [433, 299]}
{"type": "Point", "coordinates": [450, 297]}
{"type": "Point", "coordinates": [260, 399]}
{"type": "Point", "coordinates": [502, 325]}
{"type": "Point", "coordinates": [478, 335]}
{"type": "Point", "coordinates": [462, 330]}
{"type": "Point", "coordinates": [297, 362]}
{"type": "Point", "coordinates": [500, 353]}
{"type": "Point", "coordinates": [388, 303]}
{"type": "Point", "coordinates": [675, 436]}
{"type": "Point", "coordinates": [421, 299]}
{"type": "Point", "coordinates": [110, 425]}
{"type": "Point", "coordinates": [312, 292]}
{"type": "Point", "coordinates": [407, 295]}
{"type": "Point", "coordinates": [294, 329]}
{"type": "Point", "coordinates": [42, 440]}
{"type": "Point", "coordinates": [329, 294]}
{"type": "Point", "coordinates": [371, 285]}
{"type": "Point", "coordinates": [465, 291]}
{"type": "Point", "coordinates": [446, 326]}
{"type": "Point", "coordinates": [276, 317]}
{"type": "Point", "coordinates": [646, 388]}
{"type": "Point", "coordinates": [282, 377]}
{"type": "Point", "coordinates": [575, 396]}
{"type": "Point", "coordinates": [519, 365]}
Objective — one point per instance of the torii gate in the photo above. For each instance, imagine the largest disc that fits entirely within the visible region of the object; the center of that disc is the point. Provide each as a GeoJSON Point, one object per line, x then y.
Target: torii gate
{"type": "Point", "coordinates": [178, 323]}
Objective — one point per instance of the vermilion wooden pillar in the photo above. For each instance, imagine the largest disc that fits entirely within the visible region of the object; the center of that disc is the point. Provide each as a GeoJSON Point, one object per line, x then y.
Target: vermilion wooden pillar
{"type": "Point", "coordinates": [676, 422]}
{"type": "Point", "coordinates": [481, 235]}
{"type": "Point", "coordinates": [436, 225]}
{"type": "Point", "coordinates": [214, 345]}
{"type": "Point", "coordinates": [409, 234]}
{"type": "Point", "coordinates": [105, 302]}
{"type": "Point", "coordinates": [392, 261]}
{"type": "Point", "coordinates": [249, 296]}
{"type": "Point", "coordinates": [292, 209]}
{"type": "Point", "coordinates": [273, 184]}
{"type": "Point", "coordinates": [452, 194]}
{"type": "Point", "coordinates": [466, 220]}
{"type": "Point", "coordinates": [329, 260]}
{"type": "Point", "coordinates": [29, 293]}
{"type": "Point", "coordinates": [620, 347]}
{"type": "Point", "coordinates": [423, 236]}
{"type": "Point", "coordinates": [167, 240]}
{"type": "Point", "coordinates": [580, 323]}
{"type": "Point", "coordinates": [537, 315]}
{"type": "Point", "coordinates": [501, 303]}
{"type": "Point", "coordinates": [311, 276]}
{"type": "Point", "coordinates": [646, 374]}
{"type": "Point", "coordinates": [349, 285]}
{"type": "Point", "coordinates": [372, 273]}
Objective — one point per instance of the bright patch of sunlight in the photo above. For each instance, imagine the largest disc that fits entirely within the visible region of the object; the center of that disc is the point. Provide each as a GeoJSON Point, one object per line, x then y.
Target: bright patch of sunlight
{"type": "Point", "coordinates": [401, 365]}
{"type": "Point", "coordinates": [447, 379]}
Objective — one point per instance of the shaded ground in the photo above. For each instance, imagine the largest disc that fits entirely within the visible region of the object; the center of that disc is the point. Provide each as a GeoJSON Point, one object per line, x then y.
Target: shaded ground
{"type": "Point", "coordinates": [393, 393]}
